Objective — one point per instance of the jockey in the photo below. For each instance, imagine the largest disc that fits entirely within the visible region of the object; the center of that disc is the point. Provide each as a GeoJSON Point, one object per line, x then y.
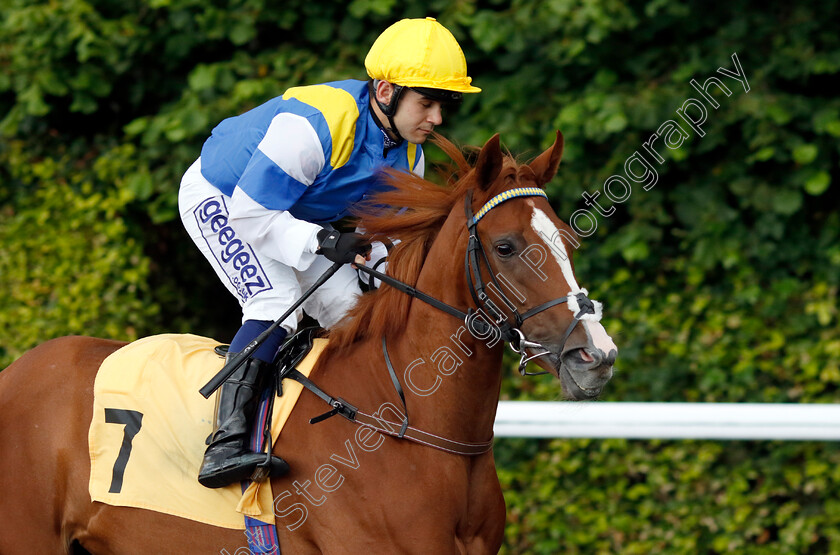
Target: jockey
{"type": "Point", "coordinates": [260, 200]}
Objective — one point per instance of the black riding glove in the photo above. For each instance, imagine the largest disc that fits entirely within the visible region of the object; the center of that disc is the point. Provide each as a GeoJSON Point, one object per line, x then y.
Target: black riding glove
{"type": "Point", "coordinates": [341, 247]}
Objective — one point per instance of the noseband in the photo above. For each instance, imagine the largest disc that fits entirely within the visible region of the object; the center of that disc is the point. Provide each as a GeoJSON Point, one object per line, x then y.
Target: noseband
{"type": "Point", "coordinates": [578, 302]}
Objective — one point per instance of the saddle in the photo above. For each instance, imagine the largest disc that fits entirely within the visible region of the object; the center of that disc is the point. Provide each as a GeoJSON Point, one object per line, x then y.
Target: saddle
{"type": "Point", "coordinates": [292, 352]}
{"type": "Point", "coordinates": [149, 422]}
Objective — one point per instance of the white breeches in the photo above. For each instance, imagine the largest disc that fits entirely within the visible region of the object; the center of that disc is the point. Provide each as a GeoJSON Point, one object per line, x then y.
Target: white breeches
{"type": "Point", "coordinates": [264, 287]}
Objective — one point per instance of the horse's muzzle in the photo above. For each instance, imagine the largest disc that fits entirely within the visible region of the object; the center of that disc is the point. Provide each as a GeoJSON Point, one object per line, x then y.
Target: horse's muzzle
{"type": "Point", "coordinates": [584, 371]}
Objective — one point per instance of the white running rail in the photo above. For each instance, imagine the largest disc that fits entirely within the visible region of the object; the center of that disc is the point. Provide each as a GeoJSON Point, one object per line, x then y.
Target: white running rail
{"type": "Point", "coordinates": [750, 421]}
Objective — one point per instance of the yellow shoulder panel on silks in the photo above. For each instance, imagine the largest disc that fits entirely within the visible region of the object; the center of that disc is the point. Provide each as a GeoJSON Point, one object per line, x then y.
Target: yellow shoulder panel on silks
{"type": "Point", "coordinates": [149, 424]}
{"type": "Point", "coordinates": [412, 156]}
{"type": "Point", "coordinates": [341, 112]}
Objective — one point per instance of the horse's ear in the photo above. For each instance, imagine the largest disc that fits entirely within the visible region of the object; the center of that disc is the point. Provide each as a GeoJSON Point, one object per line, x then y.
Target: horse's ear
{"type": "Point", "coordinates": [489, 163]}
{"type": "Point", "coordinates": [545, 165]}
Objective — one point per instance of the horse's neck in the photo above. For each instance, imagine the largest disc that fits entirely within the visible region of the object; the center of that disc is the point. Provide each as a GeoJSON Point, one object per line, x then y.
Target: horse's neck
{"type": "Point", "coordinates": [454, 377]}
{"type": "Point", "coordinates": [452, 381]}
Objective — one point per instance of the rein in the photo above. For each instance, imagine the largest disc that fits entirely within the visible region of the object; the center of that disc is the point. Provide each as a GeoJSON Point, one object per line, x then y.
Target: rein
{"type": "Point", "coordinates": [511, 333]}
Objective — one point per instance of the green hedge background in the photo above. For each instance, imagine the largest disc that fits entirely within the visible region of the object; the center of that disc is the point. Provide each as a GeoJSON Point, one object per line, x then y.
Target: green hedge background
{"type": "Point", "coordinates": [720, 282]}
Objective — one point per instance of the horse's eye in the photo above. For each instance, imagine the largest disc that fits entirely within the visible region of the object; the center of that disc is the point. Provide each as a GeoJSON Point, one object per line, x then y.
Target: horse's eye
{"type": "Point", "coordinates": [504, 250]}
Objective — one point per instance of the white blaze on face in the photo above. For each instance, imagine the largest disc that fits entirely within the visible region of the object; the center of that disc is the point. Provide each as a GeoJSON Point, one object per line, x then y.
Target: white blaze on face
{"type": "Point", "coordinates": [549, 233]}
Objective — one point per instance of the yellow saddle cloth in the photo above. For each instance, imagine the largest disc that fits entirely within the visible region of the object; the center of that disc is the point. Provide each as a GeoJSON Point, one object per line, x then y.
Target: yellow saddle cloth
{"type": "Point", "coordinates": [149, 425]}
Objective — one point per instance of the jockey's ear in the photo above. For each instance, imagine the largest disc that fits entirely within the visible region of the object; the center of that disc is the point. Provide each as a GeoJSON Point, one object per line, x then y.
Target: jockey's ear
{"type": "Point", "coordinates": [545, 165]}
{"type": "Point", "coordinates": [489, 163]}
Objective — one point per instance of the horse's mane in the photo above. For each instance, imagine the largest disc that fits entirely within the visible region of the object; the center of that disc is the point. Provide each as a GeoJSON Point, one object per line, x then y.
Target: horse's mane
{"type": "Point", "coordinates": [416, 210]}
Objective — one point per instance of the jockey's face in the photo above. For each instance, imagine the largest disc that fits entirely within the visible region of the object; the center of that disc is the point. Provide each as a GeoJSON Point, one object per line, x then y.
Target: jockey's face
{"type": "Point", "coordinates": [417, 116]}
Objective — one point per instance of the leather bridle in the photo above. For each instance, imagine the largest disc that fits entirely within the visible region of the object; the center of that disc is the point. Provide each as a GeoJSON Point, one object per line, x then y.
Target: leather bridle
{"type": "Point", "coordinates": [579, 303]}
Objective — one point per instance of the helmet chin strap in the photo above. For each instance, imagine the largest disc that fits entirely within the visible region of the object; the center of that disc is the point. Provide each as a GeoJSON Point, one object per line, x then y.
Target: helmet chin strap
{"type": "Point", "coordinates": [388, 109]}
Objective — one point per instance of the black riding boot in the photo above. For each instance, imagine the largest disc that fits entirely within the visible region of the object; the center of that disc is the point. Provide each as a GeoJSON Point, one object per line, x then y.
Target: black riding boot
{"type": "Point", "coordinates": [228, 458]}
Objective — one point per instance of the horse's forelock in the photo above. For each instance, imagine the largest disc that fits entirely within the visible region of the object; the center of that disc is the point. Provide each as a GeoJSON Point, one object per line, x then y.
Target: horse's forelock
{"type": "Point", "coordinates": [525, 173]}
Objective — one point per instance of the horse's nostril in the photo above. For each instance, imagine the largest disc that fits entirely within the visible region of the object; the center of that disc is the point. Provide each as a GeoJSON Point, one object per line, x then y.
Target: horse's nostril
{"type": "Point", "coordinates": [597, 358]}
{"type": "Point", "coordinates": [589, 358]}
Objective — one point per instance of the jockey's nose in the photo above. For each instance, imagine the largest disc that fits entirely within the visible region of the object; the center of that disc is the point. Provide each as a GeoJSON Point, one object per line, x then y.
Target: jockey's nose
{"type": "Point", "coordinates": [435, 114]}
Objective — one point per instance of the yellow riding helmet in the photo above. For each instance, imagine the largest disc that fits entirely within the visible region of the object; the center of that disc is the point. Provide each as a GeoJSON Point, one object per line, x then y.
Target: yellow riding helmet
{"type": "Point", "coordinates": [419, 53]}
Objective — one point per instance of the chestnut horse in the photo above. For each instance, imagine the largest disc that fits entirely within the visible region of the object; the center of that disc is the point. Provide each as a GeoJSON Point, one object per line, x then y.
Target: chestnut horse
{"type": "Point", "coordinates": [352, 489]}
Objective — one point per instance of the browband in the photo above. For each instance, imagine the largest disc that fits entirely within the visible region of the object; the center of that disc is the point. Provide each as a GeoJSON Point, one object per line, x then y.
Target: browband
{"type": "Point", "coordinates": [507, 195]}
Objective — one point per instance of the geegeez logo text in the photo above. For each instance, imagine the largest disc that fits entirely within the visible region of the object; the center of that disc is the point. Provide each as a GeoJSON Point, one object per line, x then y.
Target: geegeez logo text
{"type": "Point", "coordinates": [236, 258]}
